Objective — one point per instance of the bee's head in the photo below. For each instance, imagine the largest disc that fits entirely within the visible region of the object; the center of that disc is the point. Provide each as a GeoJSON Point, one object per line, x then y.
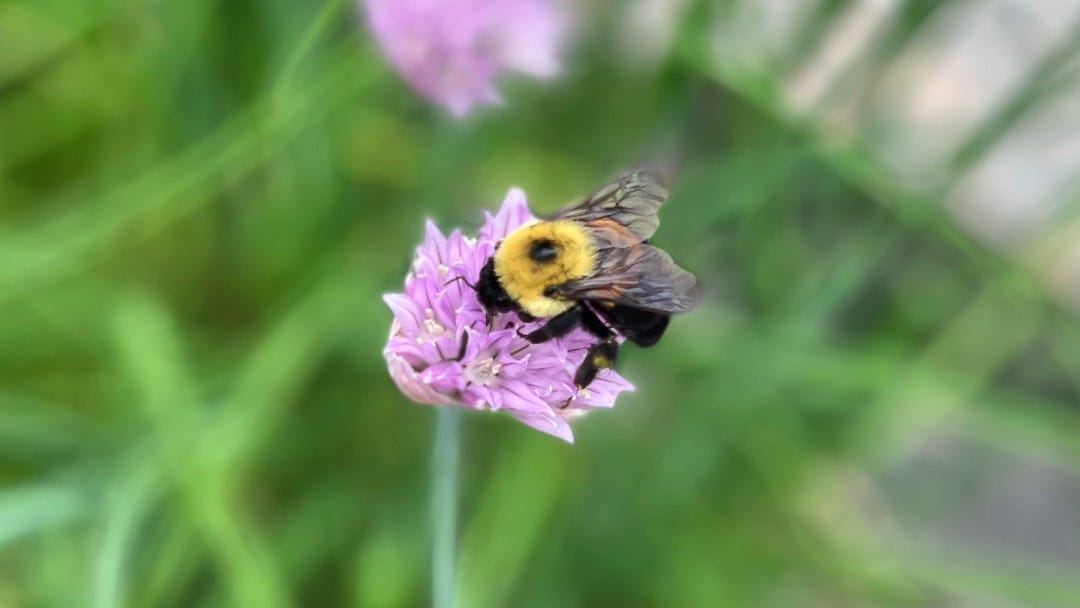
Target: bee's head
{"type": "Point", "coordinates": [491, 293]}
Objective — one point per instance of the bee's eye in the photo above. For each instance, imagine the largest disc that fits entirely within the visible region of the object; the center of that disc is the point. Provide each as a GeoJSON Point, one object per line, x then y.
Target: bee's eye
{"type": "Point", "coordinates": [542, 250]}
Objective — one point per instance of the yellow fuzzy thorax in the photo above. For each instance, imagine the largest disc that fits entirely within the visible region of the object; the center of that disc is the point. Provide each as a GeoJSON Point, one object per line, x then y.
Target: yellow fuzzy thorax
{"type": "Point", "coordinates": [524, 279]}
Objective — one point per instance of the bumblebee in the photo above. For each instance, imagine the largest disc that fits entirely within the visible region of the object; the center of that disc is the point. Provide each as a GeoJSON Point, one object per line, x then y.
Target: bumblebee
{"type": "Point", "coordinates": [591, 265]}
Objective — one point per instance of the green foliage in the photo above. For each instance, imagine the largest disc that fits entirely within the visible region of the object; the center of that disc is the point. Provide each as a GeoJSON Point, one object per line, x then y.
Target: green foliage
{"type": "Point", "coordinates": [200, 205]}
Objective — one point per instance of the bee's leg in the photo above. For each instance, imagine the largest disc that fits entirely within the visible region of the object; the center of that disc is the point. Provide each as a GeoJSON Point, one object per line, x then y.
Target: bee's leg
{"type": "Point", "coordinates": [601, 355]}
{"type": "Point", "coordinates": [557, 326]}
{"type": "Point", "coordinates": [594, 325]}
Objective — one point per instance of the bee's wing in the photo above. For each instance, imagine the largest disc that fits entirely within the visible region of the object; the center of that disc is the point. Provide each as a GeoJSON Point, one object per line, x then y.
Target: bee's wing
{"type": "Point", "coordinates": [641, 276]}
{"type": "Point", "coordinates": [630, 200]}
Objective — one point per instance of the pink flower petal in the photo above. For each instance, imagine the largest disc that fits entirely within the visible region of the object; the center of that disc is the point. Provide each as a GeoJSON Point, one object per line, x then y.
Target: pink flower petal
{"type": "Point", "coordinates": [552, 424]}
{"type": "Point", "coordinates": [408, 381]}
{"type": "Point", "coordinates": [405, 312]}
{"type": "Point", "coordinates": [513, 212]}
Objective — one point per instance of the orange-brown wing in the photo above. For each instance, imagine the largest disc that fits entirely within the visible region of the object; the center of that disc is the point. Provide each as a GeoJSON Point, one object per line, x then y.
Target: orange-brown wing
{"type": "Point", "coordinates": [631, 200]}
{"type": "Point", "coordinates": [638, 275]}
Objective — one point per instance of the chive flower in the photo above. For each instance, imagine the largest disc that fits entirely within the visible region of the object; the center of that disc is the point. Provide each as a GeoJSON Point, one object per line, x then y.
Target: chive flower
{"type": "Point", "coordinates": [441, 350]}
{"type": "Point", "coordinates": [452, 51]}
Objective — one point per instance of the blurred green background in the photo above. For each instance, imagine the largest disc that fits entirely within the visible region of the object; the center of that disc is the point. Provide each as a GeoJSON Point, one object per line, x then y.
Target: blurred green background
{"type": "Point", "coordinates": [201, 203]}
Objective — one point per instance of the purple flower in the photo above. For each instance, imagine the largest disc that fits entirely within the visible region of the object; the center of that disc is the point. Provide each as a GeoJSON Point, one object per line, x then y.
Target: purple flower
{"type": "Point", "coordinates": [453, 50]}
{"type": "Point", "coordinates": [441, 351]}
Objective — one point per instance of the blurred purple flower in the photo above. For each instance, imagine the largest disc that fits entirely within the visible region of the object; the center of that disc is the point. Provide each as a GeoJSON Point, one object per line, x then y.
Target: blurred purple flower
{"type": "Point", "coordinates": [453, 50]}
{"type": "Point", "coordinates": [441, 352]}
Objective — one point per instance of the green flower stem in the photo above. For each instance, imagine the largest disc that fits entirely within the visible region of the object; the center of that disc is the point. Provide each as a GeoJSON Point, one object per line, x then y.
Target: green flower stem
{"type": "Point", "coordinates": [444, 468]}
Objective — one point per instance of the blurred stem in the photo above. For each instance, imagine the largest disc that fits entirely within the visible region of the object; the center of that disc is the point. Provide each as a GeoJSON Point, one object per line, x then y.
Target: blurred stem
{"type": "Point", "coordinates": [444, 465]}
{"type": "Point", "coordinates": [323, 21]}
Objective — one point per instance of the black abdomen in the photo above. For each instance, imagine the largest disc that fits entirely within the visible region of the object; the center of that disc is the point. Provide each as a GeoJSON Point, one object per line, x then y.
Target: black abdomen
{"type": "Point", "coordinates": [642, 327]}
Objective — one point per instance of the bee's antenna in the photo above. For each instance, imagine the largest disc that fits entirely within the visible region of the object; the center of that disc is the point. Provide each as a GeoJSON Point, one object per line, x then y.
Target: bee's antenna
{"type": "Point", "coordinates": [461, 278]}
